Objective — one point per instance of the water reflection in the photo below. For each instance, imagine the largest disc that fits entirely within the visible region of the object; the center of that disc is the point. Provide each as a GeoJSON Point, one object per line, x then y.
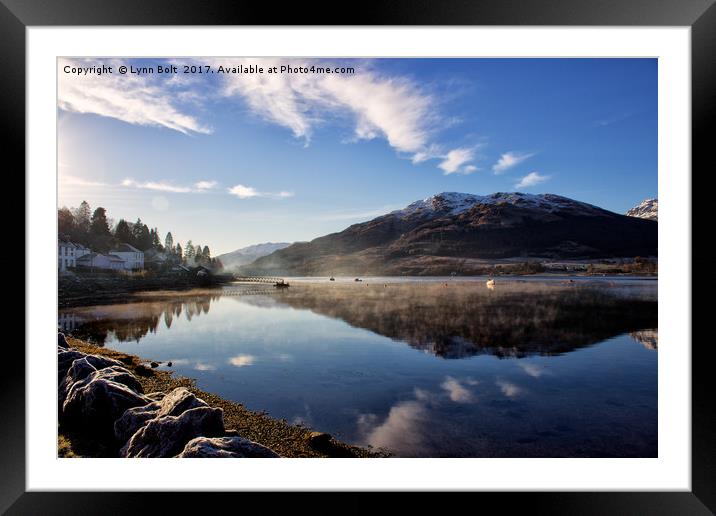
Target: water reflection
{"type": "Point", "coordinates": [548, 370]}
{"type": "Point", "coordinates": [133, 321]}
{"type": "Point", "coordinates": [458, 320]}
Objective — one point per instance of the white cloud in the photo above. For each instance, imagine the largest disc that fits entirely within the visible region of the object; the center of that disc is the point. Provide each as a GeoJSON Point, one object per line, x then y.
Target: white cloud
{"type": "Point", "coordinates": [153, 185]}
{"type": "Point", "coordinates": [509, 160]}
{"type": "Point", "coordinates": [455, 159]}
{"type": "Point", "coordinates": [135, 99]}
{"type": "Point", "coordinates": [533, 370]}
{"type": "Point", "coordinates": [402, 431]}
{"type": "Point", "coordinates": [509, 389]}
{"type": "Point", "coordinates": [205, 185]}
{"type": "Point", "coordinates": [162, 186]}
{"type": "Point", "coordinates": [376, 105]}
{"type": "Point", "coordinates": [243, 192]}
{"type": "Point", "coordinates": [469, 169]}
{"type": "Point", "coordinates": [242, 360]}
{"type": "Point", "coordinates": [248, 192]}
{"type": "Point", "coordinates": [531, 179]}
{"type": "Point", "coordinates": [456, 391]}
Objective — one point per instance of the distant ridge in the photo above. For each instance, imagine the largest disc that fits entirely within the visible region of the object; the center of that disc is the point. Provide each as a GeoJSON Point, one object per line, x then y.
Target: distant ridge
{"type": "Point", "coordinates": [250, 253]}
{"type": "Point", "coordinates": [449, 231]}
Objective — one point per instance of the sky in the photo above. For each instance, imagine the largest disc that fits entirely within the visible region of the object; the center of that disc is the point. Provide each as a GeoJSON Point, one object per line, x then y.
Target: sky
{"type": "Point", "coordinates": [230, 158]}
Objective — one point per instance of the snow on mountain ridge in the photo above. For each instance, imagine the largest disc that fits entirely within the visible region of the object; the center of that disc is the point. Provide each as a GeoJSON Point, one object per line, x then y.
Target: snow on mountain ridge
{"type": "Point", "coordinates": [454, 203]}
{"type": "Point", "coordinates": [647, 209]}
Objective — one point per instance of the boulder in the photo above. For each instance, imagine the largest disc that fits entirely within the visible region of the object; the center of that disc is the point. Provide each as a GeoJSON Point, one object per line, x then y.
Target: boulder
{"type": "Point", "coordinates": [167, 436]}
{"type": "Point", "coordinates": [82, 367]}
{"type": "Point", "coordinates": [225, 447]}
{"type": "Point", "coordinates": [173, 404]}
{"type": "Point", "coordinates": [64, 362]}
{"type": "Point", "coordinates": [95, 403]}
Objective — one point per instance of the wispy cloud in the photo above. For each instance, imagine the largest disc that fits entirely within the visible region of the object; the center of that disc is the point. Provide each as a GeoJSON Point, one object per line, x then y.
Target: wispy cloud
{"type": "Point", "coordinates": [455, 159]}
{"type": "Point", "coordinates": [456, 391]}
{"type": "Point", "coordinates": [531, 179]}
{"type": "Point", "coordinates": [135, 99]}
{"type": "Point", "coordinates": [242, 360]}
{"type": "Point", "coordinates": [533, 370]}
{"type": "Point", "coordinates": [509, 389]}
{"type": "Point", "coordinates": [162, 186]}
{"type": "Point", "coordinates": [205, 185]}
{"type": "Point", "coordinates": [509, 160]}
{"type": "Point", "coordinates": [248, 192]}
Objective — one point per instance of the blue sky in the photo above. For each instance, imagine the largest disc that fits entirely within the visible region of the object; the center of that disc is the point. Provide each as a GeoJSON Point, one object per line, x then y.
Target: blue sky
{"type": "Point", "coordinates": [230, 160]}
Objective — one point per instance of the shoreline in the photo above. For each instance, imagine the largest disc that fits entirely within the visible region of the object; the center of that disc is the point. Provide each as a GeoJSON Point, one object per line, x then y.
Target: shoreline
{"type": "Point", "coordinates": [286, 439]}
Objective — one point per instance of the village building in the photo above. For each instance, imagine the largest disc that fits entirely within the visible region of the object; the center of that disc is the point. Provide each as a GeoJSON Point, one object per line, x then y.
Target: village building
{"type": "Point", "coordinates": [66, 258]}
{"type": "Point", "coordinates": [133, 257]}
{"type": "Point", "coordinates": [102, 261]}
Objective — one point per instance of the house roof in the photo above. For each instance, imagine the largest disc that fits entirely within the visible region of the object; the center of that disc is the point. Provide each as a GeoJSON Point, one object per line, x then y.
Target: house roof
{"type": "Point", "coordinates": [88, 257]}
{"type": "Point", "coordinates": [125, 248]}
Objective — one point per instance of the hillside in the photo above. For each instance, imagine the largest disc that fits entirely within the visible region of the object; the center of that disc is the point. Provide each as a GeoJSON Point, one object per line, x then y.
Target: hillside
{"type": "Point", "coordinates": [455, 232]}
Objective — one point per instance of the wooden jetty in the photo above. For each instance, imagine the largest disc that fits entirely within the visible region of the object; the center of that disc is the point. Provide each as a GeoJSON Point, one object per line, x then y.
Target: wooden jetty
{"type": "Point", "coordinates": [277, 282]}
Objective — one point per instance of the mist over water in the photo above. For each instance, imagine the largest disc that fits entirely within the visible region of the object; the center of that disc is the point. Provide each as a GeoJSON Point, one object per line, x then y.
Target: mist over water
{"type": "Point", "coordinates": [433, 368]}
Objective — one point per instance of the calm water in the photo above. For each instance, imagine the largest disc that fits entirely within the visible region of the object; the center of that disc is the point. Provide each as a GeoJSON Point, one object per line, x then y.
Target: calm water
{"type": "Point", "coordinates": [436, 368]}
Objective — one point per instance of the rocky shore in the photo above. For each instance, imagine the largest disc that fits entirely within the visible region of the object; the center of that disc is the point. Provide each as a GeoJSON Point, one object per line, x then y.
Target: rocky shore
{"type": "Point", "coordinates": [93, 289]}
{"type": "Point", "coordinates": [112, 405]}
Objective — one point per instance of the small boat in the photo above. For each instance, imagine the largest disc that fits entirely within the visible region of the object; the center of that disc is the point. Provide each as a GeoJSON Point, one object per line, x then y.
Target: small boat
{"type": "Point", "coordinates": [357, 279]}
{"type": "Point", "coordinates": [331, 279]}
{"type": "Point", "coordinates": [490, 283]}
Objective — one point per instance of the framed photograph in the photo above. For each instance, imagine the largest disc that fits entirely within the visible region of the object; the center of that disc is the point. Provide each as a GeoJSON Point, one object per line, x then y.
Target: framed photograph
{"type": "Point", "coordinates": [442, 247]}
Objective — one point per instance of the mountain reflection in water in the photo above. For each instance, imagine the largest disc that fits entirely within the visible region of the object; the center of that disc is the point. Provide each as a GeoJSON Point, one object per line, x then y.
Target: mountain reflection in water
{"type": "Point", "coordinates": [449, 320]}
{"type": "Point", "coordinates": [457, 320]}
{"type": "Point", "coordinates": [423, 369]}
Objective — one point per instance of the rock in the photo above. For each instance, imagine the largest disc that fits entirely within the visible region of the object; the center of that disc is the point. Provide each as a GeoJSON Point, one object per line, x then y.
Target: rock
{"type": "Point", "coordinates": [121, 375]}
{"type": "Point", "coordinates": [167, 436]}
{"type": "Point", "coordinates": [156, 396]}
{"type": "Point", "coordinates": [95, 403]}
{"type": "Point", "coordinates": [173, 404]}
{"type": "Point", "coordinates": [64, 362]}
{"type": "Point", "coordinates": [133, 419]}
{"type": "Point", "coordinates": [169, 364]}
{"type": "Point", "coordinates": [225, 447]}
{"type": "Point", "coordinates": [154, 365]}
{"type": "Point", "coordinates": [61, 341]}
{"type": "Point", "coordinates": [319, 440]}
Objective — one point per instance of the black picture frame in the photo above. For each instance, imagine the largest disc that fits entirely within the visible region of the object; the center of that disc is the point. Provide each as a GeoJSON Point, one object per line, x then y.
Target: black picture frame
{"type": "Point", "coordinates": [700, 15]}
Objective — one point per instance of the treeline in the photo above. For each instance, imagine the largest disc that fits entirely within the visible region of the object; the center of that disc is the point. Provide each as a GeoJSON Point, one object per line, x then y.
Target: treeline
{"type": "Point", "coordinates": [95, 230]}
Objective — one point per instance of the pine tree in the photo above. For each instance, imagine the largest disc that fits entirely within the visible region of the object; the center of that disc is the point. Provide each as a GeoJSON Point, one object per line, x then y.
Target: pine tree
{"type": "Point", "coordinates": [198, 257]}
{"type": "Point", "coordinates": [99, 234]}
{"type": "Point", "coordinates": [169, 242]}
{"type": "Point", "coordinates": [206, 254]}
{"type": "Point", "coordinates": [179, 252]}
{"type": "Point", "coordinates": [123, 233]}
{"type": "Point", "coordinates": [65, 223]}
{"type": "Point", "coordinates": [82, 222]}
{"type": "Point", "coordinates": [189, 252]}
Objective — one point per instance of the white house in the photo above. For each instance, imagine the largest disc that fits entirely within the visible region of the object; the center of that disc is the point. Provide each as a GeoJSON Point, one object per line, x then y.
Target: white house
{"type": "Point", "coordinates": [65, 254]}
{"type": "Point", "coordinates": [81, 250]}
{"type": "Point", "coordinates": [133, 257]}
{"type": "Point", "coordinates": [101, 261]}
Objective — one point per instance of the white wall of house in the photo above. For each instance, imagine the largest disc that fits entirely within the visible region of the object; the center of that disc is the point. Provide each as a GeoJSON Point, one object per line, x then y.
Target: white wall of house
{"type": "Point", "coordinates": [65, 256]}
{"type": "Point", "coordinates": [101, 261]}
{"type": "Point", "coordinates": [133, 259]}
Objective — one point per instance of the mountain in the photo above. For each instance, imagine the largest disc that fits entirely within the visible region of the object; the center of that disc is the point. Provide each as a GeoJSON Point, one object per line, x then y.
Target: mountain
{"type": "Point", "coordinates": [457, 232]}
{"type": "Point", "coordinates": [248, 254]}
{"type": "Point", "coordinates": [648, 209]}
